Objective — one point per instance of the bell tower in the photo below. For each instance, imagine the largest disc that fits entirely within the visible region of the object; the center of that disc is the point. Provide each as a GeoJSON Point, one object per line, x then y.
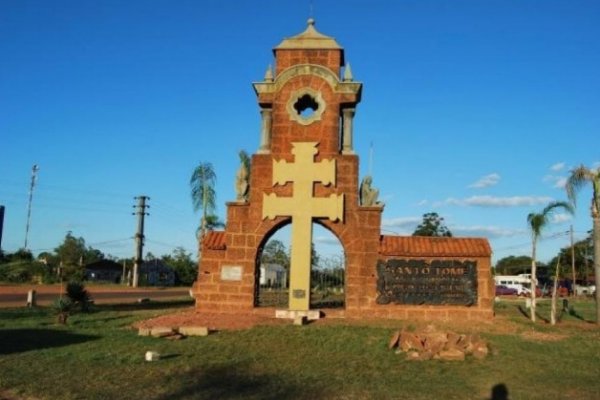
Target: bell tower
{"type": "Point", "coordinates": [305, 99]}
{"type": "Point", "coordinates": [304, 171]}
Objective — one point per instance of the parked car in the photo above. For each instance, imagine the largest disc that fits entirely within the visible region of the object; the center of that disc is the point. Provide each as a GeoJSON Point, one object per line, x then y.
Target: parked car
{"type": "Point", "coordinates": [587, 290]}
{"type": "Point", "coordinates": [502, 290]}
{"type": "Point", "coordinates": [527, 292]}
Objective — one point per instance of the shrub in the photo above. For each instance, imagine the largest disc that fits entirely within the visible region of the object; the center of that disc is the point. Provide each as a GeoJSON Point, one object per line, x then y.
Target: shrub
{"type": "Point", "coordinates": [78, 295]}
{"type": "Point", "coordinates": [62, 306]}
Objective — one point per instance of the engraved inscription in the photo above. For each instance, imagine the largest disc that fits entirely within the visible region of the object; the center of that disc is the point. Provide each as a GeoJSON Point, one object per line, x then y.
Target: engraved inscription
{"type": "Point", "coordinates": [231, 273]}
{"type": "Point", "coordinates": [299, 294]}
{"type": "Point", "coordinates": [405, 281]}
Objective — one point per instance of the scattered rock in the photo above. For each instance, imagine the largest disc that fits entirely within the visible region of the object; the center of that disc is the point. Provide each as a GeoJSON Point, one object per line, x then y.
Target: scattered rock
{"type": "Point", "coordinates": [452, 355]}
{"type": "Point", "coordinates": [175, 336]}
{"type": "Point", "coordinates": [394, 340]}
{"type": "Point", "coordinates": [431, 344]}
{"type": "Point", "coordinates": [193, 330]}
{"type": "Point", "coordinates": [144, 331]}
{"type": "Point", "coordinates": [161, 332]}
{"type": "Point", "coordinates": [410, 341]}
{"type": "Point", "coordinates": [300, 320]}
{"type": "Point", "coordinates": [152, 356]}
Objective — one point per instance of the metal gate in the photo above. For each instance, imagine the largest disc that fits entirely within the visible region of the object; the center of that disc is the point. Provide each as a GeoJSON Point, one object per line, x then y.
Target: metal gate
{"type": "Point", "coordinates": [327, 287]}
{"type": "Point", "coordinates": [327, 282]}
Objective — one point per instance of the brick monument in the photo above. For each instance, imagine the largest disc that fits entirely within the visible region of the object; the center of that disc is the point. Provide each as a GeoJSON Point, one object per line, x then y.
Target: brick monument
{"type": "Point", "coordinates": [305, 171]}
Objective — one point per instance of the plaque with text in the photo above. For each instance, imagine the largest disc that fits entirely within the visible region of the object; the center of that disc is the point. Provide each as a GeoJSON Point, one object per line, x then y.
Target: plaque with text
{"type": "Point", "coordinates": [406, 281]}
{"type": "Point", "coordinates": [231, 273]}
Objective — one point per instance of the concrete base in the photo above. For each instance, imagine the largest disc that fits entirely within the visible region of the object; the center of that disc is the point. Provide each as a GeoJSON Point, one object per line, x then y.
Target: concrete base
{"type": "Point", "coordinates": [310, 315]}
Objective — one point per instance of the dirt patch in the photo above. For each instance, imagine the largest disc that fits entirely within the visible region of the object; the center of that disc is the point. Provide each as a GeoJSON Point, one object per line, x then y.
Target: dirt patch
{"type": "Point", "coordinates": [536, 336]}
{"type": "Point", "coordinates": [212, 321]}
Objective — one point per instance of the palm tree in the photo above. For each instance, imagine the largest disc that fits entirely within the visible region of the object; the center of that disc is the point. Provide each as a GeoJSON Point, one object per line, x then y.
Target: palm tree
{"type": "Point", "coordinates": [537, 222]}
{"type": "Point", "coordinates": [579, 177]}
{"type": "Point", "coordinates": [212, 222]}
{"type": "Point", "coordinates": [204, 197]}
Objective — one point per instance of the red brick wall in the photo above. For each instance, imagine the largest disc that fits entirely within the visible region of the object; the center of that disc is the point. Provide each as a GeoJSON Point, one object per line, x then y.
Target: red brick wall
{"type": "Point", "coordinates": [286, 58]}
{"type": "Point", "coordinates": [359, 233]}
{"type": "Point", "coordinates": [481, 311]}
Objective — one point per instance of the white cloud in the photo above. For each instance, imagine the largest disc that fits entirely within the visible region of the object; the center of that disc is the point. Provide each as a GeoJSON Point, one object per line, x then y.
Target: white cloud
{"type": "Point", "coordinates": [596, 165]}
{"type": "Point", "coordinates": [486, 181]}
{"type": "Point", "coordinates": [560, 182]}
{"type": "Point", "coordinates": [402, 222]}
{"type": "Point", "coordinates": [493, 201]}
{"type": "Point", "coordinates": [557, 181]}
{"type": "Point", "coordinates": [326, 240]}
{"type": "Point", "coordinates": [422, 203]}
{"type": "Point", "coordinates": [558, 167]}
{"type": "Point", "coordinates": [486, 231]}
{"type": "Point", "coordinates": [560, 218]}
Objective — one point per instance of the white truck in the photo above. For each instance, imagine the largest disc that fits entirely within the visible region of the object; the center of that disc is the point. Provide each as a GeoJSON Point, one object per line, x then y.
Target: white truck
{"type": "Point", "coordinates": [521, 282]}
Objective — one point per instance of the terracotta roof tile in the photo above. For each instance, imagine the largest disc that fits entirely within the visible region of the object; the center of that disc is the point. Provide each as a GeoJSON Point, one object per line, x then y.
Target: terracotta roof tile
{"type": "Point", "coordinates": [424, 246]}
{"type": "Point", "coordinates": [214, 240]}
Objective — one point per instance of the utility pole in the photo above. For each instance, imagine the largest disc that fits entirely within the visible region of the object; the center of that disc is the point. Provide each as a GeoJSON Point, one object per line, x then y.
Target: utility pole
{"type": "Point", "coordinates": [573, 261]}
{"type": "Point", "coordinates": [34, 171]}
{"type": "Point", "coordinates": [139, 236]}
{"type": "Point", "coordinates": [1, 227]}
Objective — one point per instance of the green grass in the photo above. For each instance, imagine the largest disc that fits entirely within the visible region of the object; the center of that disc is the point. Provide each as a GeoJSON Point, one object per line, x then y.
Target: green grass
{"type": "Point", "coordinates": [98, 356]}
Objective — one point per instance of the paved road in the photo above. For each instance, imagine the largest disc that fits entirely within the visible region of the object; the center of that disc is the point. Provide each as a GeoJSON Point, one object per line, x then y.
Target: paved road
{"type": "Point", "coordinates": [45, 295]}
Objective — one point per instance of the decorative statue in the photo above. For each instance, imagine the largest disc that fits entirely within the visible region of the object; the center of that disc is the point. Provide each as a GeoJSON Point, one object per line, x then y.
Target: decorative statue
{"type": "Point", "coordinates": [241, 178]}
{"type": "Point", "coordinates": [368, 194]}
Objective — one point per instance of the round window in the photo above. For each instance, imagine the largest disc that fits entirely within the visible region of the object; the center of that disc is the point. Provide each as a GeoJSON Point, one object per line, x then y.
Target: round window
{"type": "Point", "coordinates": [306, 106]}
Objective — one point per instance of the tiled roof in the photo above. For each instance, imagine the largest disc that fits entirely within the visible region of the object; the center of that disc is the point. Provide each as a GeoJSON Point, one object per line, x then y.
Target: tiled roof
{"type": "Point", "coordinates": [309, 39]}
{"type": "Point", "coordinates": [214, 240]}
{"type": "Point", "coordinates": [425, 246]}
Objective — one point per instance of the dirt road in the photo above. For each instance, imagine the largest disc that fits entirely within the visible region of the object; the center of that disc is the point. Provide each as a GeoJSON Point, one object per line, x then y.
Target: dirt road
{"type": "Point", "coordinates": [16, 295]}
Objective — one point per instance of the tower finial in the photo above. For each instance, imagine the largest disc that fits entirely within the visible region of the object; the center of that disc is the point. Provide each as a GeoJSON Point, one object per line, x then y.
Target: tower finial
{"type": "Point", "coordinates": [348, 73]}
{"type": "Point", "coordinates": [269, 74]}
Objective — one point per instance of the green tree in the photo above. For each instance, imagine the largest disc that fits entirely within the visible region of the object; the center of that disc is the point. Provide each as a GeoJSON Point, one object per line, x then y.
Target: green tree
{"type": "Point", "coordinates": [203, 193]}
{"type": "Point", "coordinates": [513, 265]}
{"type": "Point", "coordinates": [583, 251]}
{"type": "Point", "coordinates": [582, 176]}
{"type": "Point", "coordinates": [185, 268]}
{"type": "Point", "coordinates": [72, 254]}
{"type": "Point", "coordinates": [432, 225]}
{"type": "Point", "coordinates": [536, 223]}
{"type": "Point", "coordinates": [275, 252]}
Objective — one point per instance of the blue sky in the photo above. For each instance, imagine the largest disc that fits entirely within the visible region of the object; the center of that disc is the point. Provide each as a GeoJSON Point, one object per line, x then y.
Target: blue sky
{"type": "Point", "coordinates": [474, 109]}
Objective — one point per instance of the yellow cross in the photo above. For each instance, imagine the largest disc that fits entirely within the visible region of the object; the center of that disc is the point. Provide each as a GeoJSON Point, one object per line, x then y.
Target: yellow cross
{"type": "Point", "coordinates": [303, 207]}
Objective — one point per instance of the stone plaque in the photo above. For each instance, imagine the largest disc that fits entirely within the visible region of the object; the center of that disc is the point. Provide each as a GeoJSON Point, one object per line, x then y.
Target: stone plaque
{"type": "Point", "coordinates": [406, 281]}
{"type": "Point", "coordinates": [299, 294]}
{"type": "Point", "coordinates": [231, 273]}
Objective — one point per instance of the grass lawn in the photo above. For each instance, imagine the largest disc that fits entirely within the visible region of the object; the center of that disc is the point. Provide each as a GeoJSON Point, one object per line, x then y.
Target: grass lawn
{"type": "Point", "coordinates": [98, 356]}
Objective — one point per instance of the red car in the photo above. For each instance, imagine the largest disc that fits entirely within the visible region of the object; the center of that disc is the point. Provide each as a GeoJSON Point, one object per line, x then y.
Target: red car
{"type": "Point", "coordinates": [502, 290]}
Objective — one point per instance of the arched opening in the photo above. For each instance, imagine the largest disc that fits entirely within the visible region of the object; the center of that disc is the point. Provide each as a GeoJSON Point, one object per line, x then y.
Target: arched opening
{"type": "Point", "coordinates": [272, 269]}
{"type": "Point", "coordinates": [328, 270]}
{"type": "Point", "coordinates": [327, 286]}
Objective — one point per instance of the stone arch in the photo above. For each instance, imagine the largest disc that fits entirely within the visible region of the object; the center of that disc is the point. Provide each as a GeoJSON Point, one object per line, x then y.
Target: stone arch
{"type": "Point", "coordinates": [270, 289]}
{"type": "Point", "coordinates": [328, 278]}
{"type": "Point", "coordinates": [307, 69]}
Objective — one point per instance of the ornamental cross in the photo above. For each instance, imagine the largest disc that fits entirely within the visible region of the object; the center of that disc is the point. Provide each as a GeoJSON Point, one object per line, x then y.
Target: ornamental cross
{"type": "Point", "coordinates": [303, 207]}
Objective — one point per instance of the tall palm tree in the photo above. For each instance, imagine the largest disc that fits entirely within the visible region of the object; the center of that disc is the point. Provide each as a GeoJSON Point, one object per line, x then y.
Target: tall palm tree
{"type": "Point", "coordinates": [579, 177]}
{"type": "Point", "coordinates": [204, 197]}
{"type": "Point", "coordinates": [212, 222]}
{"type": "Point", "coordinates": [537, 222]}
